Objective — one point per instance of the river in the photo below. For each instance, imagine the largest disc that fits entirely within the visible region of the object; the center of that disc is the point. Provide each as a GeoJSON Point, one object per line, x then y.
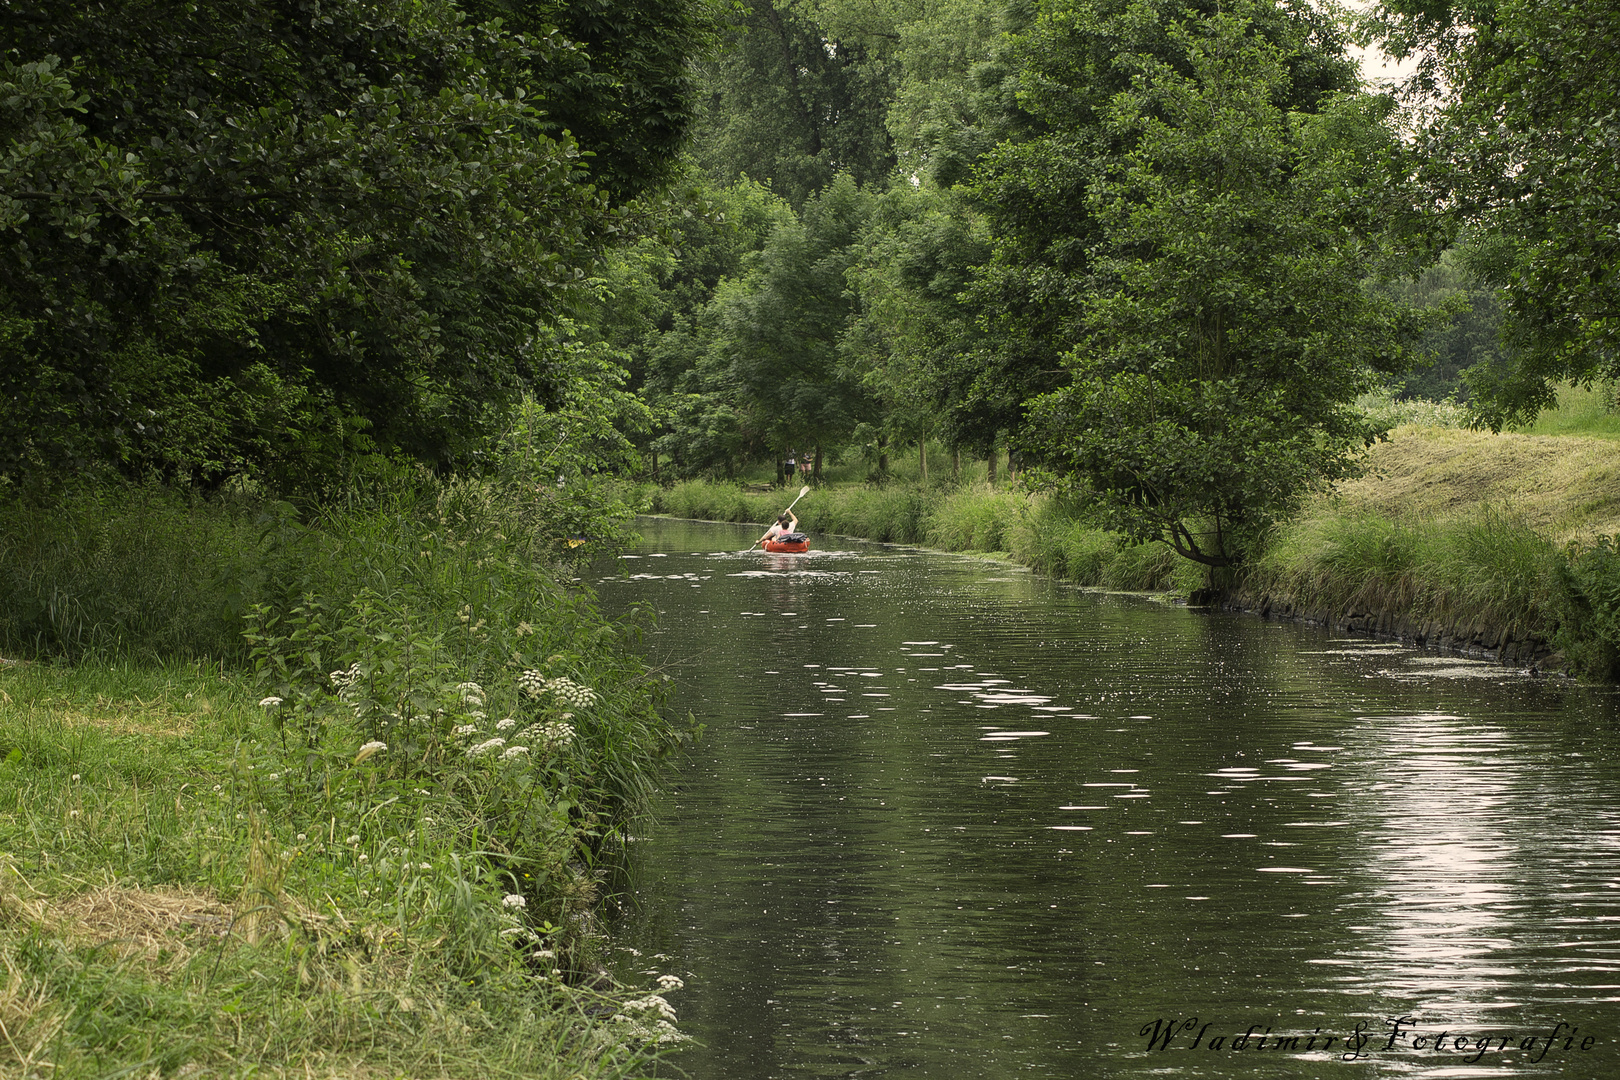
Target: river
{"type": "Point", "coordinates": [949, 819]}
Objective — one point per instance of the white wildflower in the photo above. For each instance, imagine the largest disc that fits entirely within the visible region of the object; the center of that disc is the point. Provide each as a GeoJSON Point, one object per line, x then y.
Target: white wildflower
{"type": "Point", "coordinates": [270, 702]}
{"type": "Point", "coordinates": [506, 724]}
{"type": "Point", "coordinates": [514, 901]}
{"type": "Point", "coordinates": [344, 680]}
{"type": "Point", "coordinates": [532, 683]}
{"type": "Point", "coordinates": [554, 735]}
{"type": "Point", "coordinates": [651, 1003]}
{"type": "Point", "coordinates": [571, 693]}
{"type": "Point", "coordinates": [471, 693]}
{"type": "Point", "coordinates": [513, 752]}
{"type": "Point", "coordinates": [486, 747]}
{"type": "Point", "coordinates": [669, 982]}
{"type": "Point", "coordinates": [355, 839]}
{"type": "Point", "coordinates": [466, 729]}
{"type": "Point", "coordinates": [372, 747]}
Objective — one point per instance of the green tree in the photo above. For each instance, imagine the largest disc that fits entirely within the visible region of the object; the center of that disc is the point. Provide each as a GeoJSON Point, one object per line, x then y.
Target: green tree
{"type": "Point", "coordinates": [789, 105]}
{"type": "Point", "coordinates": [627, 91]}
{"type": "Point", "coordinates": [655, 303]}
{"type": "Point", "coordinates": [958, 91]}
{"type": "Point", "coordinates": [778, 329]}
{"type": "Point", "coordinates": [1523, 154]}
{"type": "Point", "coordinates": [1469, 338]}
{"type": "Point", "coordinates": [911, 327]}
{"type": "Point", "coordinates": [1225, 331]}
{"type": "Point", "coordinates": [274, 236]}
{"type": "Point", "coordinates": [1035, 191]}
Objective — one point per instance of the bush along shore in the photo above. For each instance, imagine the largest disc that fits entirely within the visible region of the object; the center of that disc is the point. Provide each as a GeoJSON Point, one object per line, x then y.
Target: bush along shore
{"type": "Point", "coordinates": [366, 837]}
{"type": "Point", "coordinates": [1479, 580]}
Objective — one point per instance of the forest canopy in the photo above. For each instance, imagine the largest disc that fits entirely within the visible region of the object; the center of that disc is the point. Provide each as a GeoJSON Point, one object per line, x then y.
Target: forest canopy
{"type": "Point", "coordinates": [1154, 248]}
{"type": "Point", "coordinates": [277, 237]}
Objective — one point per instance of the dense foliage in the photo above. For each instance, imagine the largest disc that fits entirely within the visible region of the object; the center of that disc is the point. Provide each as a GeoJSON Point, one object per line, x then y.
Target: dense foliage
{"type": "Point", "coordinates": [1521, 155]}
{"type": "Point", "coordinates": [1221, 332]}
{"type": "Point", "coordinates": [277, 238]}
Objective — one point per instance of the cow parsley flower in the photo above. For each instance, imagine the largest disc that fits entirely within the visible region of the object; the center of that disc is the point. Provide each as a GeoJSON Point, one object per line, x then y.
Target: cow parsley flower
{"type": "Point", "coordinates": [486, 747]}
{"type": "Point", "coordinates": [532, 683]}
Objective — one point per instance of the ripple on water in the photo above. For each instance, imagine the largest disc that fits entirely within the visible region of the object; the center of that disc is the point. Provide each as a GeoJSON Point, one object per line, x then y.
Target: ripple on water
{"type": "Point", "coordinates": [1465, 865]}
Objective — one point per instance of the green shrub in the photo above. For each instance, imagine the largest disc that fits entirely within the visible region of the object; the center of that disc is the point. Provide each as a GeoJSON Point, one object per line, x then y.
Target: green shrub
{"type": "Point", "coordinates": [1586, 609]}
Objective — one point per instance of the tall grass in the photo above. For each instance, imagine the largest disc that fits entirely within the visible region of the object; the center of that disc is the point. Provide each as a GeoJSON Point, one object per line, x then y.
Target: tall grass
{"type": "Point", "coordinates": [1487, 568]}
{"type": "Point", "coordinates": [1581, 410]}
{"type": "Point", "coordinates": [135, 570]}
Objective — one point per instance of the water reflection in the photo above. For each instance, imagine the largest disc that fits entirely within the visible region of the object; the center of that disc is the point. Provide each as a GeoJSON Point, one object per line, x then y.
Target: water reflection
{"type": "Point", "coordinates": [952, 819]}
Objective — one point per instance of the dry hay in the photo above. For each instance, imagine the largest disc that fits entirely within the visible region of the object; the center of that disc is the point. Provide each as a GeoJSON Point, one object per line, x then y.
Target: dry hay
{"type": "Point", "coordinates": [1565, 486]}
{"type": "Point", "coordinates": [142, 718]}
{"type": "Point", "coordinates": [145, 923]}
{"type": "Point", "coordinates": [162, 925]}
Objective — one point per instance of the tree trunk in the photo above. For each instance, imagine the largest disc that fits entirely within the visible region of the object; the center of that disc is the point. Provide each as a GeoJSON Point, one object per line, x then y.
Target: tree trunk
{"type": "Point", "coordinates": [815, 471]}
{"type": "Point", "coordinates": [922, 459]}
{"type": "Point", "coordinates": [990, 463]}
{"type": "Point", "coordinates": [883, 456]}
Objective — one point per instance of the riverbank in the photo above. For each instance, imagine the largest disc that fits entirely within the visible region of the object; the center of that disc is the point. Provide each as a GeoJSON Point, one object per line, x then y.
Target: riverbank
{"type": "Point", "coordinates": [366, 839]}
{"type": "Point", "coordinates": [1485, 545]}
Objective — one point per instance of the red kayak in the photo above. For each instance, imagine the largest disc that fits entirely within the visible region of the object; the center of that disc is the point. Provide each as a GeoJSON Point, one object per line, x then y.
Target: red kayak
{"type": "Point", "coordinates": [791, 543]}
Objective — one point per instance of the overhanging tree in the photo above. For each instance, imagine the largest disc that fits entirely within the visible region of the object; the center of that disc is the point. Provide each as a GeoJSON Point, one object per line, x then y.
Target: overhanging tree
{"type": "Point", "coordinates": [1225, 331]}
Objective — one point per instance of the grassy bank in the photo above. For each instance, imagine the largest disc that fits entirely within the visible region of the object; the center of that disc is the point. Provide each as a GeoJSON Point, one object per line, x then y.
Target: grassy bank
{"type": "Point", "coordinates": [366, 838]}
{"type": "Point", "coordinates": [1453, 528]}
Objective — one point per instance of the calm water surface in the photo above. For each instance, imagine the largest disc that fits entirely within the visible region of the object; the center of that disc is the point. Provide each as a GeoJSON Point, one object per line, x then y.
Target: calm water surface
{"type": "Point", "coordinates": [949, 819]}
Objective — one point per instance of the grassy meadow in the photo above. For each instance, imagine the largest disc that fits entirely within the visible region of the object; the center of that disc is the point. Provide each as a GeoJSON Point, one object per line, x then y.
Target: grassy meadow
{"type": "Point", "coordinates": [367, 837]}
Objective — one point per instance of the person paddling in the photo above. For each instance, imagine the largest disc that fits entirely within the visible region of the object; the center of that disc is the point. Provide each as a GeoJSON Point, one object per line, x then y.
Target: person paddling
{"type": "Point", "coordinates": [785, 523]}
